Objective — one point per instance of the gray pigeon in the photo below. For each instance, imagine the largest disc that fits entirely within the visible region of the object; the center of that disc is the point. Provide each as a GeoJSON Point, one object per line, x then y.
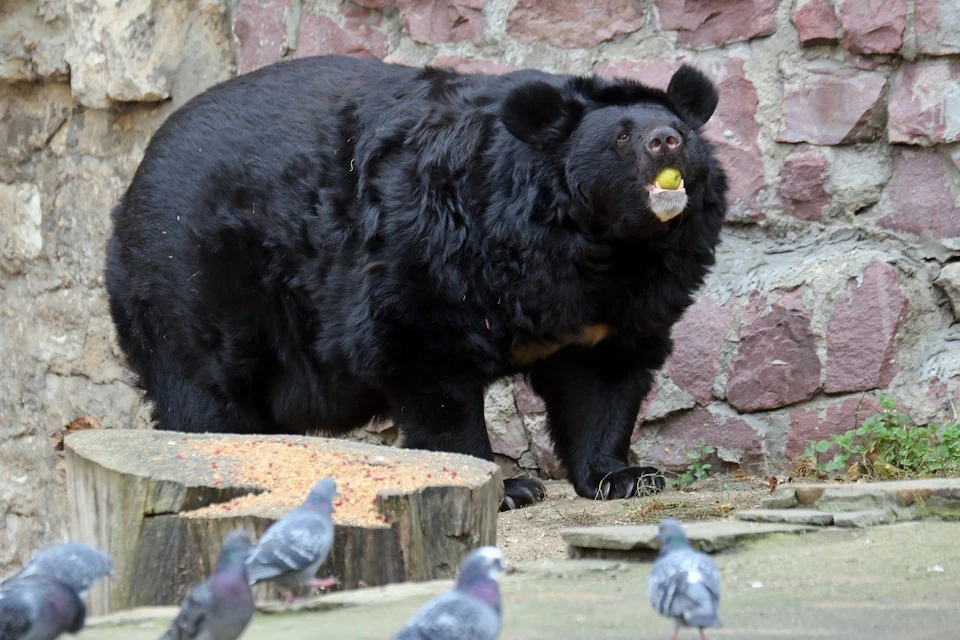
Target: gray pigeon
{"type": "Point", "coordinates": [684, 583]}
{"type": "Point", "coordinates": [471, 611]}
{"type": "Point", "coordinates": [221, 607]}
{"type": "Point", "coordinates": [72, 563]}
{"type": "Point", "coordinates": [293, 548]}
{"type": "Point", "coordinates": [39, 608]}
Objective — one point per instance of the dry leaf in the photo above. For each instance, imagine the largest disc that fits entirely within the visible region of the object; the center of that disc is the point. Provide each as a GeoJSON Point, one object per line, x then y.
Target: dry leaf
{"type": "Point", "coordinates": [773, 482]}
{"type": "Point", "coordinates": [78, 424]}
{"type": "Point", "coordinates": [738, 473]}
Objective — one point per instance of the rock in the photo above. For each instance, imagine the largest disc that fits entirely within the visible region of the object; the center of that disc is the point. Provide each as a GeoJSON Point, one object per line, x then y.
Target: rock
{"type": "Point", "coordinates": [641, 540]}
{"type": "Point", "coordinates": [777, 364]}
{"type": "Point", "coordinates": [574, 24]}
{"type": "Point", "coordinates": [666, 400]}
{"type": "Point", "coordinates": [697, 339]}
{"type": "Point", "coordinates": [780, 500]}
{"type": "Point", "coordinates": [471, 65]}
{"type": "Point", "coordinates": [655, 73]}
{"type": "Point", "coordinates": [29, 116]}
{"type": "Point", "coordinates": [439, 21]}
{"type": "Point", "coordinates": [706, 23]}
{"type": "Point", "coordinates": [678, 435]}
{"type": "Point", "coordinates": [33, 40]}
{"type": "Point", "coordinates": [924, 103]}
{"type": "Point", "coordinates": [526, 398]}
{"type": "Point", "coordinates": [124, 52]}
{"type": "Point", "coordinates": [507, 435]}
{"type": "Point", "coordinates": [949, 283]}
{"type": "Point", "coordinates": [260, 33]}
{"type": "Point", "coordinates": [20, 217]}
{"type": "Point", "coordinates": [936, 26]}
{"type": "Point", "coordinates": [809, 494]}
{"type": "Point", "coordinates": [830, 103]}
{"type": "Point", "coordinates": [918, 199]}
{"type": "Point", "coordinates": [861, 332]}
{"type": "Point", "coordinates": [541, 446]}
{"type": "Point", "coordinates": [857, 175]}
{"type": "Point", "coordinates": [872, 26]}
{"type": "Point", "coordinates": [787, 516]}
{"type": "Point", "coordinates": [735, 134]}
{"type": "Point", "coordinates": [801, 184]}
{"type": "Point", "coordinates": [862, 519]}
{"type": "Point", "coordinates": [816, 22]}
{"type": "Point", "coordinates": [357, 33]}
{"type": "Point", "coordinates": [820, 423]}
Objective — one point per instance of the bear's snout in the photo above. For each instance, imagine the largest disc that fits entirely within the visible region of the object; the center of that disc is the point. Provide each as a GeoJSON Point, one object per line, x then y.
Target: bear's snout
{"type": "Point", "coordinates": [663, 142]}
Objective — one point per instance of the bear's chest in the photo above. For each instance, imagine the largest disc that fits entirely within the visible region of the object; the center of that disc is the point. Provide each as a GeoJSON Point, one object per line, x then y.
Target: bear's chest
{"type": "Point", "coordinates": [527, 352]}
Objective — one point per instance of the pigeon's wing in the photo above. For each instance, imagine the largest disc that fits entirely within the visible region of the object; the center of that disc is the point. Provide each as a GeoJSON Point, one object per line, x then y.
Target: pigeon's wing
{"type": "Point", "coordinates": [189, 623]}
{"type": "Point", "coordinates": [14, 617]}
{"type": "Point", "coordinates": [685, 583]}
{"type": "Point", "coordinates": [452, 616]}
{"type": "Point", "coordinates": [291, 544]}
{"type": "Point", "coordinates": [711, 576]}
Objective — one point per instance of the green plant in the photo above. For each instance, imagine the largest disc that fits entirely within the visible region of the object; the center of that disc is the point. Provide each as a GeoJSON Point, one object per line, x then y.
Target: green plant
{"type": "Point", "coordinates": [698, 469]}
{"type": "Point", "coordinates": [890, 444]}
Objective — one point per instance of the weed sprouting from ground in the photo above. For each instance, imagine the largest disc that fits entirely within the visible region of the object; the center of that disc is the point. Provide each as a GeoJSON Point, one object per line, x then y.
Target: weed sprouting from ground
{"type": "Point", "coordinates": [698, 469]}
{"type": "Point", "coordinates": [888, 444]}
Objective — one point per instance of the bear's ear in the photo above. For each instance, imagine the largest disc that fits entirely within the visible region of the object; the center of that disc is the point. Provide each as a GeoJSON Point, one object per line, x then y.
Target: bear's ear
{"type": "Point", "coordinates": [694, 95]}
{"type": "Point", "coordinates": [538, 114]}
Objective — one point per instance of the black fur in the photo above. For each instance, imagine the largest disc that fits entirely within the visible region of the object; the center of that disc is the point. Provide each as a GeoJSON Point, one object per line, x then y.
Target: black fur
{"type": "Point", "coordinates": [331, 240]}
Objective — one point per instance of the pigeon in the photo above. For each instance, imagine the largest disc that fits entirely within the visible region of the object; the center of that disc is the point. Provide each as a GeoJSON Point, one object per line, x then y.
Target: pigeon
{"type": "Point", "coordinates": [470, 611]}
{"type": "Point", "coordinates": [221, 607]}
{"type": "Point", "coordinates": [293, 548]}
{"type": "Point", "coordinates": [684, 583]}
{"type": "Point", "coordinates": [39, 607]}
{"type": "Point", "coordinates": [72, 563]}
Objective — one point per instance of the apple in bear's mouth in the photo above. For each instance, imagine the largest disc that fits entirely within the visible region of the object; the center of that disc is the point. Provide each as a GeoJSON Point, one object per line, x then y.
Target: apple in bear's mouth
{"type": "Point", "coordinates": [668, 197]}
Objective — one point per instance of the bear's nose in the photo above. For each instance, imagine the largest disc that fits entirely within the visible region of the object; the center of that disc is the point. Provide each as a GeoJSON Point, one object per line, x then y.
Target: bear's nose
{"type": "Point", "coordinates": [662, 141]}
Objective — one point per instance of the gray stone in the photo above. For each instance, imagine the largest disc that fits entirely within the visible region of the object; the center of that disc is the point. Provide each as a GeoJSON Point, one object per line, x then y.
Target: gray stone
{"type": "Point", "coordinates": [861, 519]}
{"type": "Point", "coordinates": [949, 283]}
{"type": "Point", "coordinates": [787, 516]}
{"type": "Point", "coordinates": [709, 537]}
{"type": "Point", "coordinates": [20, 217]}
{"type": "Point", "coordinates": [782, 499]}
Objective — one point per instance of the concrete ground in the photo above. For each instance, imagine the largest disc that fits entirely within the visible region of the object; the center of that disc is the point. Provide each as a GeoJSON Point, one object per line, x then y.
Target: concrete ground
{"type": "Point", "coordinates": [888, 582]}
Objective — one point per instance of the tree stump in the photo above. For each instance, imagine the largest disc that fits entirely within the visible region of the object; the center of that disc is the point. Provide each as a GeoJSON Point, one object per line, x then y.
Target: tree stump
{"type": "Point", "coordinates": [161, 503]}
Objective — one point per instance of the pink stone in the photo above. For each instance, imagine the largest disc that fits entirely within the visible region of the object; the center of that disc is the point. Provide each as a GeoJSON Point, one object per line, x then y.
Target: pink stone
{"type": "Point", "coordinates": [655, 73]}
{"type": "Point", "coordinates": [683, 433]}
{"type": "Point", "coordinates": [260, 33]}
{"type": "Point", "coordinates": [816, 22]}
{"type": "Point", "coordinates": [777, 364]}
{"type": "Point", "coordinates": [918, 199]}
{"type": "Point", "coordinates": [925, 103]}
{"type": "Point", "coordinates": [526, 398]}
{"type": "Point", "coordinates": [801, 184]}
{"type": "Point", "coordinates": [697, 339]}
{"type": "Point", "coordinates": [471, 65]}
{"type": "Point", "coordinates": [357, 34]}
{"type": "Point", "coordinates": [574, 24]}
{"type": "Point", "coordinates": [860, 335]}
{"type": "Point", "coordinates": [704, 23]}
{"type": "Point", "coordinates": [812, 423]}
{"type": "Point", "coordinates": [936, 24]}
{"type": "Point", "coordinates": [832, 104]}
{"type": "Point", "coordinates": [873, 26]}
{"type": "Point", "coordinates": [439, 21]}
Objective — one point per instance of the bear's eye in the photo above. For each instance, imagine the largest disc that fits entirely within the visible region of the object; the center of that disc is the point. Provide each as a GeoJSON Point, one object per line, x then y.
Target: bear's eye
{"type": "Point", "coordinates": [623, 137]}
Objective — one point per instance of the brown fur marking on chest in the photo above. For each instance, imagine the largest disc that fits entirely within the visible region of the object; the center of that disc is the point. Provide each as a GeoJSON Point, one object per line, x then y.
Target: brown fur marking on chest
{"type": "Point", "coordinates": [530, 352]}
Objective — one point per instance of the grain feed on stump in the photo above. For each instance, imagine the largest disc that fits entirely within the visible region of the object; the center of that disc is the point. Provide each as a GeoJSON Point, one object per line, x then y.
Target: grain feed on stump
{"type": "Point", "coordinates": [285, 471]}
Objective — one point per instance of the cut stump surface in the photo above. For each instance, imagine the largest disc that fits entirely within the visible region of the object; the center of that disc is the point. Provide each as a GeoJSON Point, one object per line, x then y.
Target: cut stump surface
{"type": "Point", "coordinates": [162, 502]}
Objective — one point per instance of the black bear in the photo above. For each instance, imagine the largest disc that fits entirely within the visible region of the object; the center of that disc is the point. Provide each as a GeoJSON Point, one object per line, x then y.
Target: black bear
{"type": "Point", "coordinates": [332, 240]}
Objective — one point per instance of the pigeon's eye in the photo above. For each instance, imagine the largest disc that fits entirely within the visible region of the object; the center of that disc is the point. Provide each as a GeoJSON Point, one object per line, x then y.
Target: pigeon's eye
{"type": "Point", "coordinates": [623, 137]}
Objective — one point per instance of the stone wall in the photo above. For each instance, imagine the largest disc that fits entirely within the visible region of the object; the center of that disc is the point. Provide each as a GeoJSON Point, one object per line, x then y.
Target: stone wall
{"type": "Point", "coordinates": [839, 123]}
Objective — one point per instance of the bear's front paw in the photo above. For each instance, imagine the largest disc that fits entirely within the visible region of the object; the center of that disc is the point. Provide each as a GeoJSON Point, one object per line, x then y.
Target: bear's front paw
{"type": "Point", "coordinates": [521, 492]}
{"type": "Point", "coordinates": [625, 483]}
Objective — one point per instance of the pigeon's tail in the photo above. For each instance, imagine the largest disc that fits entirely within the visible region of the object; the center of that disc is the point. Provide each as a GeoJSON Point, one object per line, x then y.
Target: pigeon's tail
{"type": "Point", "coordinates": [701, 610]}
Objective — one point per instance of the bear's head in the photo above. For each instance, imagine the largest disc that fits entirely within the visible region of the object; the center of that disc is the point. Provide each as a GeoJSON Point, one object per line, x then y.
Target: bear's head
{"type": "Point", "coordinates": [632, 155]}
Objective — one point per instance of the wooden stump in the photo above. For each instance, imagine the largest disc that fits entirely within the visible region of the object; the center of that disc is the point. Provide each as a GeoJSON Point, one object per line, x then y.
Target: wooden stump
{"type": "Point", "coordinates": [162, 502]}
